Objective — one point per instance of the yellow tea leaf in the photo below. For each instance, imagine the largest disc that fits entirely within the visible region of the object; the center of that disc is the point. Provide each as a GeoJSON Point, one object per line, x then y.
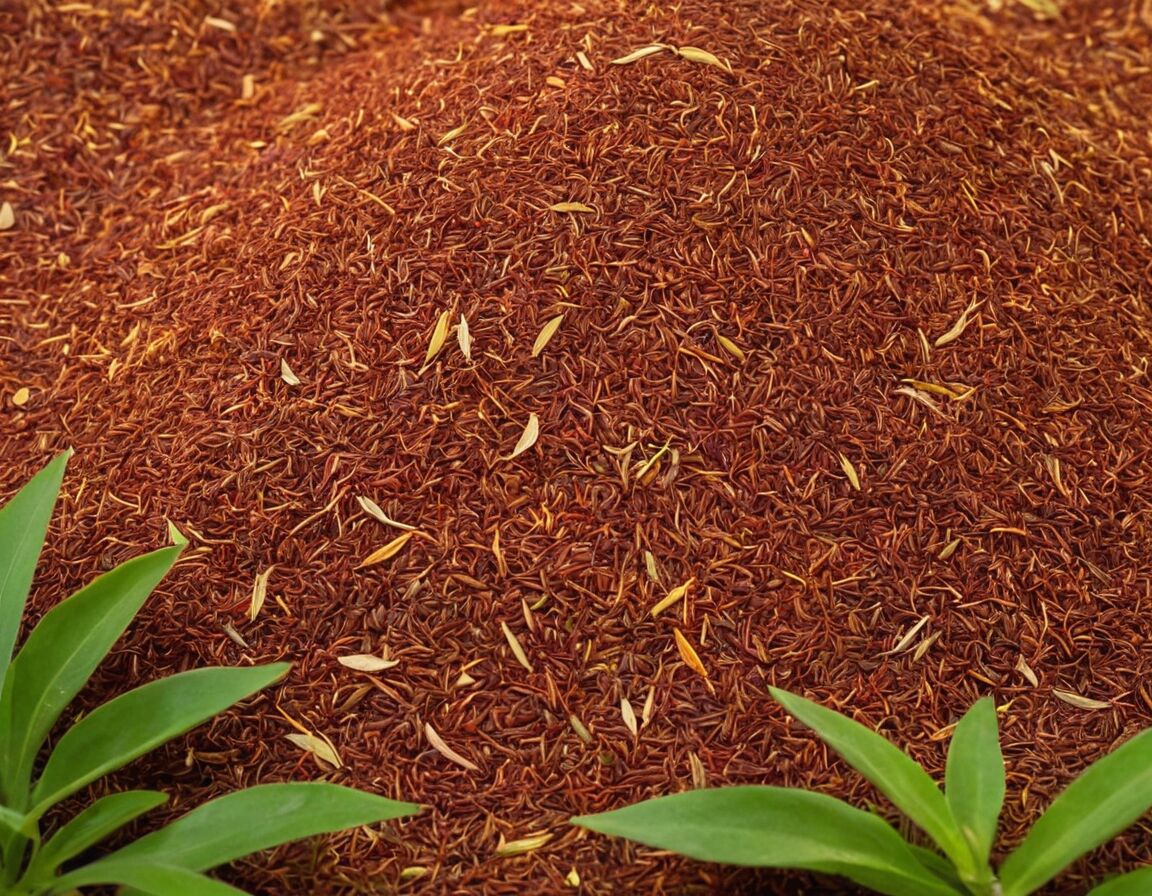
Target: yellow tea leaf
{"type": "Point", "coordinates": [528, 437]}
{"type": "Point", "coordinates": [904, 642]}
{"type": "Point", "coordinates": [259, 593]}
{"type": "Point", "coordinates": [439, 335]}
{"type": "Point", "coordinates": [517, 649]}
{"type": "Point", "coordinates": [437, 743]}
{"type": "Point", "coordinates": [502, 30]}
{"type": "Point", "coordinates": [1078, 701]}
{"type": "Point", "coordinates": [688, 654]}
{"type": "Point", "coordinates": [464, 337]}
{"type": "Point", "coordinates": [571, 207]}
{"type": "Point", "coordinates": [639, 54]}
{"type": "Point", "coordinates": [572, 878]}
{"type": "Point", "coordinates": [546, 333]}
{"type": "Point", "coordinates": [850, 472]}
{"type": "Point", "coordinates": [695, 54]}
{"type": "Point", "coordinates": [7, 216]}
{"type": "Point", "coordinates": [519, 847]}
{"type": "Point", "coordinates": [673, 596]}
{"type": "Point", "coordinates": [372, 509]}
{"type": "Point", "coordinates": [1024, 669]}
{"type": "Point", "coordinates": [958, 328]}
{"type": "Point", "coordinates": [320, 747]}
{"type": "Point", "coordinates": [387, 552]}
{"type": "Point", "coordinates": [629, 715]}
{"type": "Point", "coordinates": [287, 375]}
{"type": "Point", "coordinates": [20, 396]}
{"type": "Point", "coordinates": [452, 135]}
{"type": "Point", "coordinates": [731, 347]}
{"type": "Point", "coordinates": [366, 662]}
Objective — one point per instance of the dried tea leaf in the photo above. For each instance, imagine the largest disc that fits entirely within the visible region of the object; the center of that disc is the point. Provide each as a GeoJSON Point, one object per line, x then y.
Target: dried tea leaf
{"type": "Point", "coordinates": [174, 534]}
{"type": "Point", "coordinates": [731, 347]}
{"type": "Point", "coordinates": [373, 509]}
{"type": "Point", "coordinates": [234, 636]}
{"type": "Point", "coordinates": [502, 30]}
{"type": "Point", "coordinates": [437, 743]}
{"type": "Point", "coordinates": [572, 207]}
{"type": "Point", "coordinates": [259, 593]}
{"type": "Point", "coordinates": [528, 437]}
{"type": "Point", "coordinates": [517, 649]}
{"type": "Point", "coordinates": [366, 662]}
{"type": "Point", "coordinates": [247, 88]}
{"type": "Point", "coordinates": [934, 388]}
{"type": "Point", "coordinates": [20, 396]}
{"type": "Point", "coordinates": [519, 847]}
{"type": "Point", "coordinates": [850, 472]}
{"type": "Point", "coordinates": [320, 747]}
{"type": "Point", "coordinates": [387, 552]}
{"type": "Point", "coordinates": [673, 596]}
{"type": "Point", "coordinates": [629, 715]}
{"type": "Point", "coordinates": [303, 114]}
{"type": "Point", "coordinates": [413, 872]}
{"type": "Point", "coordinates": [1024, 669]}
{"type": "Point", "coordinates": [546, 333]}
{"type": "Point", "coordinates": [464, 337]}
{"type": "Point", "coordinates": [649, 706]}
{"type": "Point", "coordinates": [695, 54]}
{"type": "Point", "coordinates": [699, 773]}
{"type": "Point", "coordinates": [924, 646]}
{"type": "Point", "coordinates": [650, 566]}
{"type": "Point", "coordinates": [639, 54]}
{"type": "Point", "coordinates": [464, 680]}
{"type": "Point", "coordinates": [287, 375]}
{"type": "Point", "coordinates": [1078, 701]}
{"type": "Point", "coordinates": [452, 135]}
{"type": "Point", "coordinates": [903, 643]}
{"type": "Point", "coordinates": [925, 400]}
{"type": "Point", "coordinates": [222, 24]}
{"type": "Point", "coordinates": [949, 549]}
{"type": "Point", "coordinates": [688, 654]}
{"type": "Point", "coordinates": [958, 328]}
{"type": "Point", "coordinates": [7, 216]}
{"type": "Point", "coordinates": [439, 335]}
{"type": "Point", "coordinates": [572, 878]}
{"type": "Point", "coordinates": [581, 732]}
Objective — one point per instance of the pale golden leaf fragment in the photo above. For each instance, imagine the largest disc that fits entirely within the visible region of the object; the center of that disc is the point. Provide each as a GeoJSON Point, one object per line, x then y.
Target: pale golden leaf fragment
{"type": "Point", "coordinates": [699, 773]}
{"type": "Point", "coordinates": [731, 347]}
{"type": "Point", "coordinates": [247, 87]}
{"type": "Point", "coordinates": [688, 654]}
{"type": "Point", "coordinates": [439, 336]}
{"type": "Point", "coordinates": [650, 566]}
{"type": "Point", "coordinates": [572, 878]}
{"type": "Point", "coordinates": [20, 396]}
{"type": "Point", "coordinates": [320, 747]}
{"type": "Point", "coordinates": [287, 375]}
{"type": "Point", "coordinates": [523, 845]}
{"type": "Point", "coordinates": [517, 648]}
{"type": "Point", "coordinates": [850, 472]}
{"type": "Point", "coordinates": [528, 437]}
{"type": "Point", "coordinates": [222, 24]}
{"type": "Point", "coordinates": [958, 328]}
{"type": "Point", "coordinates": [404, 124]}
{"type": "Point", "coordinates": [572, 207]}
{"type": "Point", "coordinates": [639, 54]}
{"type": "Point", "coordinates": [373, 509]}
{"type": "Point", "coordinates": [303, 114]}
{"type": "Point", "coordinates": [259, 593]}
{"type": "Point", "coordinates": [649, 706]}
{"type": "Point", "coordinates": [582, 58]}
{"type": "Point", "coordinates": [413, 872]}
{"type": "Point", "coordinates": [387, 552]}
{"type": "Point", "coordinates": [504, 30]}
{"type": "Point", "coordinates": [7, 216]}
{"type": "Point", "coordinates": [581, 731]}
{"type": "Point", "coordinates": [452, 135]}
{"type": "Point", "coordinates": [629, 716]}
{"type": "Point", "coordinates": [546, 333]}
{"type": "Point", "coordinates": [672, 597]}
{"type": "Point", "coordinates": [695, 54]}
{"type": "Point", "coordinates": [366, 662]}
{"type": "Point", "coordinates": [904, 642]}
{"type": "Point", "coordinates": [437, 743]}
{"type": "Point", "coordinates": [949, 549]}
{"type": "Point", "coordinates": [464, 337]}
{"type": "Point", "coordinates": [1079, 701]}
{"type": "Point", "coordinates": [1029, 675]}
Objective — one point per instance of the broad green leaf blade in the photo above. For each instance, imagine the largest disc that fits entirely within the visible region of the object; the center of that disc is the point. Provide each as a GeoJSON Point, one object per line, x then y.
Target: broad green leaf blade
{"type": "Point", "coordinates": [10, 821]}
{"type": "Point", "coordinates": [98, 821]}
{"type": "Point", "coordinates": [1134, 883]}
{"type": "Point", "coordinates": [937, 865]}
{"type": "Point", "coordinates": [891, 771]}
{"type": "Point", "coordinates": [1107, 797]}
{"type": "Point", "coordinates": [23, 527]}
{"type": "Point", "coordinates": [775, 827]}
{"type": "Point", "coordinates": [261, 817]}
{"type": "Point", "coordinates": [60, 656]}
{"type": "Point", "coordinates": [114, 734]}
{"type": "Point", "coordinates": [974, 777]}
{"type": "Point", "coordinates": [146, 877]}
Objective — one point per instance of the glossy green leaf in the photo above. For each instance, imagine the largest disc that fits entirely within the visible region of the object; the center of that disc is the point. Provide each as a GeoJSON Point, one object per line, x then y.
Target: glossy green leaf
{"type": "Point", "coordinates": [145, 877]}
{"type": "Point", "coordinates": [974, 777]}
{"type": "Point", "coordinates": [61, 654]}
{"type": "Point", "coordinates": [776, 827]}
{"type": "Point", "coordinates": [102, 818]}
{"type": "Point", "coordinates": [23, 527]}
{"type": "Point", "coordinates": [261, 817]}
{"type": "Point", "coordinates": [1134, 883]}
{"type": "Point", "coordinates": [1108, 796]}
{"type": "Point", "coordinates": [9, 820]}
{"type": "Point", "coordinates": [891, 771]}
{"type": "Point", "coordinates": [131, 725]}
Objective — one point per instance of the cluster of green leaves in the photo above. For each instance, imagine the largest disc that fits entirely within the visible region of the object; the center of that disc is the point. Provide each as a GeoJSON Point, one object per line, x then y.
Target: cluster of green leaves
{"type": "Point", "coordinates": [779, 827]}
{"type": "Point", "coordinates": [55, 661]}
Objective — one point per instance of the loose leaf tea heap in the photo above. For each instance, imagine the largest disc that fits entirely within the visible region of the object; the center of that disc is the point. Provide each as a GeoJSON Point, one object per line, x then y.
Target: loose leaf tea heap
{"type": "Point", "coordinates": [836, 310]}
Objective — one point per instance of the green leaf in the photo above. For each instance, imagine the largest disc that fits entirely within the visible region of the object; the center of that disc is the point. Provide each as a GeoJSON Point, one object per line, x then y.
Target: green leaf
{"type": "Point", "coordinates": [974, 777]}
{"type": "Point", "coordinates": [1107, 797]}
{"type": "Point", "coordinates": [154, 879]}
{"type": "Point", "coordinates": [891, 771]}
{"type": "Point", "coordinates": [261, 817]}
{"type": "Point", "coordinates": [775, 827]}
{"type": "Point", "coordinates": [1134, 883]}
{"type": "Point", "coordinates": [23, 527]}
{"type": "Point", "coordinates": [10, 820]}
{"type": "Point", "coordinates": [60, 655]}
{"type": "Point", "coordinates": [131, 725]}
{"type": "Point", "coordinates": [96, 822]}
